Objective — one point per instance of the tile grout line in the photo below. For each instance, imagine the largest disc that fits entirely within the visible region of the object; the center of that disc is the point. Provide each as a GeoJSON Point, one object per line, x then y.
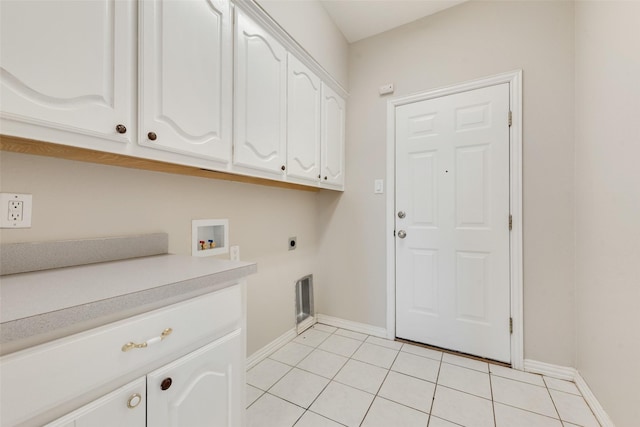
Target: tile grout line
{"type": "Point", "coordinates": [388, 370]}
{"type": "Point", "coordinates": [493, 401]}
{"type": "Point", "coordinates": [330, 380]}
{"type": "Point", "coordinates": [553, 402]}
{"type": "Point", "coordinates": [291, 369]}
{"type": "Point", "coordinates": [381, 384]}
{"type": "Point", "coordinates": [433, 399]}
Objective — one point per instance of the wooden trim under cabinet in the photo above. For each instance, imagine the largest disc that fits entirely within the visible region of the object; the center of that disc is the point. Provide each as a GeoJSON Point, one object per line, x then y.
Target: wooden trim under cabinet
{"type": "Point", "coordinates": [41, 148]}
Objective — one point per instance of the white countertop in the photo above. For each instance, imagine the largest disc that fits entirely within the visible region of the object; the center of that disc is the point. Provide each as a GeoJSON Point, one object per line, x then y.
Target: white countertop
{"type": "Point", "coordinates": [55, 302]}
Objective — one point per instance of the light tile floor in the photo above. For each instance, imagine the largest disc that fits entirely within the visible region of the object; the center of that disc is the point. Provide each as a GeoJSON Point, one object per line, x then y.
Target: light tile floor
{"type": "Point", "coordinates": [329, 377]}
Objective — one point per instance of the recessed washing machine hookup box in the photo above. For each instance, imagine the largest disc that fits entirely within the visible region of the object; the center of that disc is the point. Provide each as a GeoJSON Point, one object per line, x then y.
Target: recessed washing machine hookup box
{"type": "Point", "coordinates": [209, 237]}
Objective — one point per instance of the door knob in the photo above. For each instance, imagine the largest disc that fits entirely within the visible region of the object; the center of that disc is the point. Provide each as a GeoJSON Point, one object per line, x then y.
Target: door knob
{"type": "Point", "coordinates": [402, 234]}
{"type": "Point", "coordinates": [152, 136]}
{"type": "Point", "coordinates": [121, 129]}
{"type": "Point", "coordinates": [402, 214]}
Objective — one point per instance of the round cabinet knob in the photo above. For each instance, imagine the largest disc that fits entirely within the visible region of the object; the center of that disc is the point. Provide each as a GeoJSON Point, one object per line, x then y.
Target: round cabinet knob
{"type": "Point", "coordinates": [152, 136]}
{"type": "Point", "coordinates": [401, 214]}
{"type": "Point", "coordinates": [402, 234]}
{"type": "Point", "coordinates": [283, 167]}
{"type": "Point", "coordinates": [166, 383]}
{"type": "Point", "coordinates": [134, 400]}
{"type": "Point", "coordinates": [121, 129]}
{"type": "Point", "coordinates": [325, 178]}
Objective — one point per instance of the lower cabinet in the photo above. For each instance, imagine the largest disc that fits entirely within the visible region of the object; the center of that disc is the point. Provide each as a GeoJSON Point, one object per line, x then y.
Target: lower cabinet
{"type": "Point", "coordinates": [199, 389]}
{"type": "Point", "coordinates": [124, 407]}
{"type": "Point", "coordinates": [180, 365]}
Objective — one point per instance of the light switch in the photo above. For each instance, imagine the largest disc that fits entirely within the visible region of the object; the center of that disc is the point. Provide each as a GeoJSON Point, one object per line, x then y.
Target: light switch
{"type": "Point", "coordinates": [378, 186]}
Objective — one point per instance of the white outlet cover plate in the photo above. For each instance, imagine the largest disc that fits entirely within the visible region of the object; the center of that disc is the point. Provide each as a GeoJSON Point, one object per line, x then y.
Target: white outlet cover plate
{"type": "Point", "coordinates": [26, 199]}
{"type": "Point", "coordinates": [234, 253]}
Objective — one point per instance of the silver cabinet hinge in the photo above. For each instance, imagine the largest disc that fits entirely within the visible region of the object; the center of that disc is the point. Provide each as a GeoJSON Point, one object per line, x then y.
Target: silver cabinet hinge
{"type": "Point", "coordinates": [510, 118]}
{"type": "Point", "coordinates": [510, 325]}
{"type": "Point", "coordinates": [510, 222]}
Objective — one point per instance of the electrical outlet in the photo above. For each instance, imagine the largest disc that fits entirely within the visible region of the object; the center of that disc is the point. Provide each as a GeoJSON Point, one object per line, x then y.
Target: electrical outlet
{"type": "Point", "coordinates": [15, 210]}
{"type": "Point", "coordinates": [234, 253]}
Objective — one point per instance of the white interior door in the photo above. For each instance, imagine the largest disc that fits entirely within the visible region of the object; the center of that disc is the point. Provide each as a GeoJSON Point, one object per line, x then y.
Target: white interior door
{"type": "Point", "coordinates": [452, 222]}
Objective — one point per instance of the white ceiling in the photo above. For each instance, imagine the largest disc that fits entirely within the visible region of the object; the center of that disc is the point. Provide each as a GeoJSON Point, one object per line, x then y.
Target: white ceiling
{"type": "Point", "coordinates": [359, 19]}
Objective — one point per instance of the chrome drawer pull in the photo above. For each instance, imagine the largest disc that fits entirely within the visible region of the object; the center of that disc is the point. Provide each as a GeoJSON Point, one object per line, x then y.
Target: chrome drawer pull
{"type": "Point", "coordinates": [131, 345]}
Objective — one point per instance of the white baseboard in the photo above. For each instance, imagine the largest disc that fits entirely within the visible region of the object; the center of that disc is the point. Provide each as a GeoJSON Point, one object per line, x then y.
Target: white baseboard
{"type": "Point", "coordinates": [274, 345]}
{"type": "Point", "coordinates": [363, 328]}
{"type": "Point", "coordinates": [571, 374]}
{"type": "Point", "coordinates": [593, 403]}
{"type": "Point", "coordinates": [553, 371]}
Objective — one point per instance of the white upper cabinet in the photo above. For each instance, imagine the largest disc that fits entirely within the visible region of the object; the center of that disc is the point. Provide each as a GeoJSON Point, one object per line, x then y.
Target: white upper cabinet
{"type": "Point", "coordinates": [68, 65]}
{"type": "Point", "coordinates": [260, 122]}
{"type": "Point", "coordinates": [186, 77]}
{"type": "Point", "coordinates": [333, 128]}
{"type": "Point", "coordinates": [303, 122]}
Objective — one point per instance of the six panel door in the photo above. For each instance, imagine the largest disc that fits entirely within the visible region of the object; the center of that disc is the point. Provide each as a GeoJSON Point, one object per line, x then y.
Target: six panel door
{"type": "Point", "coordinates": [452, 216]}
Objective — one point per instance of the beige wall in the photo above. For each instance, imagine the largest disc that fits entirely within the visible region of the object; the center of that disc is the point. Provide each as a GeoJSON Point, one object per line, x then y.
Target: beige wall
{"type": "Point", "coordinates": [608, 204]}
{"type": "Point", "coordinates": [310, 25]}
{"type": "Point", "coordinates": [470, 41]}
{"type": "Point", "coordinates": [82, 200]}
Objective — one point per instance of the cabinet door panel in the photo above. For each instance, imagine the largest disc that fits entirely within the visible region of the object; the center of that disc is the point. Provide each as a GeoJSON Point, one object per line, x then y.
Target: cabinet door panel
{"type": "Point", "coordinates": [303, 122]}
{"type": "Point", "coordinates": [119, 408]}
{"type": "Point", "coordinates": [185, 76]}
{"type": "Point", "coordinates": [333, 125]}
{"type": "Point", "coordinates": [260, 98]}
{"type": "Point", "coordinates": [206, 387]}
{"type": "Point", "coordinates": [68, 65]}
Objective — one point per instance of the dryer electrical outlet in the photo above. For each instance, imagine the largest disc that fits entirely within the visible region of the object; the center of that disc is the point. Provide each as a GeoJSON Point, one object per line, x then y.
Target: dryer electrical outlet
{"type": "Point", "coordinates": [15, 210]}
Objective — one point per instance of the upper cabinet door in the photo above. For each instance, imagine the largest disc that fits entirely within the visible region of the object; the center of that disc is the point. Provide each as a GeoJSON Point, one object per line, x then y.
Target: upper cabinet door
{"type": "Point", "coordinates": [333, 127]}
{"type": "Point", "coordinates": [68, 65]}
{"type": "Point", "coordinates": [186, 77]}
{"type": "Point", "coordinates": [260, 98]}
{"type": "Point", "coordinates": [303, 122]}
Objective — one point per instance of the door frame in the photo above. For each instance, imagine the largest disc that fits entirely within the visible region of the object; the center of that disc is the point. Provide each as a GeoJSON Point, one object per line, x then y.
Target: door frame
{"type": "Point", "coordinates": [514, 78]}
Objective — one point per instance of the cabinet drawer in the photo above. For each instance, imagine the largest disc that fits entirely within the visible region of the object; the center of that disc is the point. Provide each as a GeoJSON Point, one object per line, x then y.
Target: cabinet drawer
{"type": "Point", "coordinates": [38, 379]}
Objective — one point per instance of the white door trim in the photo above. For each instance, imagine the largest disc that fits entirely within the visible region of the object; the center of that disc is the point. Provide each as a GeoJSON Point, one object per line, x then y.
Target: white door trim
{"type": "Point", "coordinates": [514, 78]}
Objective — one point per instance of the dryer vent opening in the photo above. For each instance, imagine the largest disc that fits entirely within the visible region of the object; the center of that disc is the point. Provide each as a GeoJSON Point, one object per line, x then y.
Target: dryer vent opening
{"type": "Point", "coordinates": [305, 315]}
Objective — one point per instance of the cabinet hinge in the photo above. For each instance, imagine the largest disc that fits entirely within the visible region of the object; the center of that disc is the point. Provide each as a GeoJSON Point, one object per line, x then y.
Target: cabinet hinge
{"type": "Point", "coordinates": [510, 118]}
{"type": "Point", "coordinates": [510, 325]}
{"type": "Point", "coordinates": [510, 222]}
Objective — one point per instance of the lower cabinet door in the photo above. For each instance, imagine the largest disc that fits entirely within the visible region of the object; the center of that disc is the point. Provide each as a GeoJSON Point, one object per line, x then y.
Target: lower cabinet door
{"type": "Point", "coordinates": [203, 388]}
{"type": "Point", "coordinates": [124, 407]}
